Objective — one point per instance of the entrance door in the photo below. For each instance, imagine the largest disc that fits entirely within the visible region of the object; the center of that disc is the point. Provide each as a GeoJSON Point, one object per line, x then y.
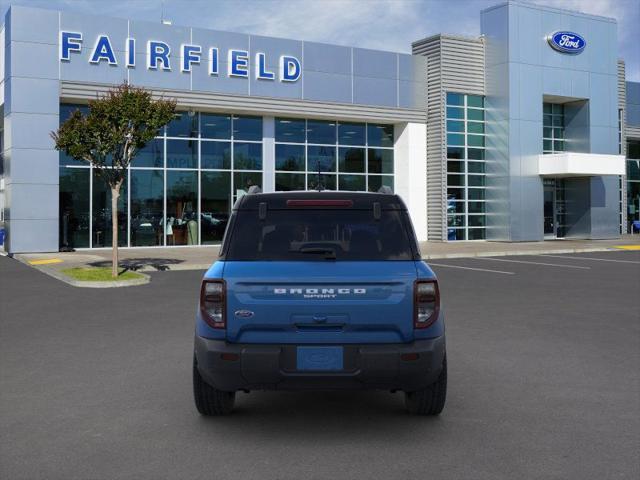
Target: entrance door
{"type": "Point", "coordinates": [554, 208]}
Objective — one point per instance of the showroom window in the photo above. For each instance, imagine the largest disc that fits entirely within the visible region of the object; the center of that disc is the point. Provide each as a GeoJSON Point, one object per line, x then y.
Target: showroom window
{"type": "Point", "coordinates": [552, 128]}
{"type": "Point", "coordinates": [633, 183]}
{"type": "Point", "coordinates": [179, 189]}
{"type": "Point", "coordinates": [465, 130]}
{"type": "Point", "coordinates": [337, 155]}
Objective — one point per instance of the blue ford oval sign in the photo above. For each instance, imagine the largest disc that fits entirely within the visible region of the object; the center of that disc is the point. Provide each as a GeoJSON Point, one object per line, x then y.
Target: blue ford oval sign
{"type": "Point", "coordinates": [567, 42]}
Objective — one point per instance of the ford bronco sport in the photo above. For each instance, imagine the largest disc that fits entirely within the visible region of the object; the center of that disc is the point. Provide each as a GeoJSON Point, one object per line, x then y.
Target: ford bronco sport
{"type": "Point", "coordinates": [319, 290]}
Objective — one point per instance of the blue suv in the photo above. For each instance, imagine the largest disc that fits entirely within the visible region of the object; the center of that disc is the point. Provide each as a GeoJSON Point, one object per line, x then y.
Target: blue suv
{"type": "Point", "coordinates": [319, 291]}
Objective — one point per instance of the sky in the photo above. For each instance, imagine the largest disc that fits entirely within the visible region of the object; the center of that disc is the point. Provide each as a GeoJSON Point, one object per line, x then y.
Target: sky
{"type": "Point", "coordinates": [378, 24]}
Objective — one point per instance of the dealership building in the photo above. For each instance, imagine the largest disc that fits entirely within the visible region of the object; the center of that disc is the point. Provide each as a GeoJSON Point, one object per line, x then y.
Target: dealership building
{"type": "Point", "coordinates": [525, 133]}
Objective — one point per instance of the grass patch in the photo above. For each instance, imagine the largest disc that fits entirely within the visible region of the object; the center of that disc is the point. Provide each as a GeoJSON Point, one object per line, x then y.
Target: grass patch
{"type": "Point", "coordinates": [99, 274]}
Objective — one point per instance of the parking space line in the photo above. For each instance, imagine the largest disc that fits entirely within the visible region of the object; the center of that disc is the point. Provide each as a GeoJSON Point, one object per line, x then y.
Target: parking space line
{"type": "Point", "coordinates": [531, 263]}
{"type": "Point", "coordinates": [591, 258]}
{"type": "Point", "coordinates": [470, 268]}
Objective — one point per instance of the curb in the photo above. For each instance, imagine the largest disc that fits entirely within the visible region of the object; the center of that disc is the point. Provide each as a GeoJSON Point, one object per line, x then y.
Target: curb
{"type": "Point", "coordinates": [518, 252]}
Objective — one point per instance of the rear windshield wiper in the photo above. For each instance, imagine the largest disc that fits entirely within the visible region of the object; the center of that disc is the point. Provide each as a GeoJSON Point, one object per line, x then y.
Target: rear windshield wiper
{"type": "Point", "coordinates": [329, 253]}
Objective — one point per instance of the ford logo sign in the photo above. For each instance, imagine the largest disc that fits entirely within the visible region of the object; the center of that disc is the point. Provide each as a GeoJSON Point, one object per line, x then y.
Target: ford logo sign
{"type": "Point", "coordinates": [243, 313]}
{"type": "Point", "coordinates": [567, 42]}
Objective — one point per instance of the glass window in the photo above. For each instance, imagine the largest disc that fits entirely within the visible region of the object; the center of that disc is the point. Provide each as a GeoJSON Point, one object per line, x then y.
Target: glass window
{"type": "Point", "coordinates": [455, 167]}
{"type": "Point", "coordinates": [455, 180]}
{"type": "Point", "coordinates": [355, 183]}
{"type": "Point", "coordinates": [475, 154]}
{"type": "Point", "coordinates": [477, 234]}
{"type": "Point", "coordinates": [455, 193]}
{"type": "Point", "coordinates": [455, 126]}
{"type": "Point", "coordinates": [215, 205]}
{"type": "Point", "coordinates": [633, 169]}
{"type": "Point", "coordinates": [351, 133]}
{"type": "Point", "coordinates": [247, 128]}
{"type": "Point", "coordinates": [152, 155]}
{"type": "Point", "coordinates": [380, 161]}
{"type": "Point", "coordinates": [67, 160]}
{"type": "Point", "coordinates": [476, 207]}
{"type": "Point", "coordinates": [476, 180]}
{"type": "Point", "coordinates": [323, 158]}
{"type": "Point", "coordinates": [147, 192]}
{"type": "Point", "coordinates": [215, 126]}
{"type": "Point", "coordinates": [547, 145]}
{"type": "Point", "coordinates": [547, 132]}
{"type": "Point", "coordinates": [322, 182]}
{"type": "Point", "coordinates": [455, 139]}
{"type": "Point", "coordinates": [547, 120]}
{"type": "Point", "coordinates": [378, 181]}
{"type": "Point", "coordinates": [476, 193]}
{"type": "Point", "coordinates": [66, 109]}
{"type": "Point", "coordinates": [286, 182]}
{"type": "Point", "coordinates": [456, 234]}
{"type": "Point", "coordinates": [455, 98]}
{"type": "Point", "coordinates": [558, 121]}
{"type": "Point", "coordinates": [475, 127]}
{"type": "Point", "coordinates": [455, 208]}
{"type": "Point", "coordinates": [380, 135]}
{"type": "Point", "coordinates": [475, 140]}
{"type": "Point", "coordinates": [247, 156]}
{"type": "Point", "coordinates": [351, 160]}
{"type": "Point", "coordinates": [456, 221]}
{"type": "Point", "coordinates": [475, 101]}
{"type": "Point", "coordinates": [455, 152]}
{"type": "Point", "coordinates": [242, 181]}
{"type": "Point", "coordinates": [215, 155]}
{"type": "Point", "coordinates": [558, 145]}
{"type": "Point", "coordinates": [633, 149]}
{"type": "Point", "coordinates": [182, 208]}
{"type": "Point", "coordinates": [477, 115]}
{"type": "Point", "coordinates": [290, 157]}
{"type": "Point", "coordinates": [74, 207]}
{"type": "Point", "coordinates": [290, 130]}
{"type": "Point", "coordinates": [182, 154]}
{"type": "Point", "coordinates": [101, 216]}
{"type": "Point", "coordinates": [184, 124]}
{"type": "Point", "coordinates": [476, 220]}
{"type": "Point", "coordinates": [320, 131]}
{"type": "Point", "coordinates": [476, 167]}
{"type": "Point", "coordinates": [546, 108]}
{"type": "Point", "coordinates": [455, 113]}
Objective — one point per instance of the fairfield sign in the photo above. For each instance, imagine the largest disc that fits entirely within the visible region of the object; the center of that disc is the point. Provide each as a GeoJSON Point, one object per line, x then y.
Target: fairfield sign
{"type": "Point", "coordinates": [159, 56]}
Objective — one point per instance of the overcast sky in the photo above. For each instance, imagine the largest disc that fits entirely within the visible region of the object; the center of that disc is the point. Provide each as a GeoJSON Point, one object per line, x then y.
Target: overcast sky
{"type": "Point", "coordinates": [379, 24]}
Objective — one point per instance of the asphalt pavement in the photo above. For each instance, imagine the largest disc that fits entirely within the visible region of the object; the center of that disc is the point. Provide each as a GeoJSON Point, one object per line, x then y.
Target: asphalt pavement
{"type": "Point", "coordinates": [544, 382]}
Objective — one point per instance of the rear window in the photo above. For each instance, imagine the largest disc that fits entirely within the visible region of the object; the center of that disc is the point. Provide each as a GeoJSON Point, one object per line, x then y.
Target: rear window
{"type": "Point", "coordinates": [315, 234]}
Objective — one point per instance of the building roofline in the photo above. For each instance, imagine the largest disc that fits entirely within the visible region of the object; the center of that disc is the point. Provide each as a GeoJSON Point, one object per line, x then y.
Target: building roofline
{"type": "Point", "coordinates": [430, 38]}
{"type": "Point", "coordinates": [521, 3]}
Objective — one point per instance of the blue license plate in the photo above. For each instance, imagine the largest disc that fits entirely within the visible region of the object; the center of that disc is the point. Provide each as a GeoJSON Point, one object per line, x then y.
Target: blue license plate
{"type": "Point", "coordinates": [320, 359]}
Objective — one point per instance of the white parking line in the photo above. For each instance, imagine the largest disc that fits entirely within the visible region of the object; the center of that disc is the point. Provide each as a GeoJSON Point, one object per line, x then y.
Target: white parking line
{"type": "Point", "coordinates": [591, 258]}
{"type": "Point", "coordinates": [469, 268]}
{"type": "Point", "coordinates": [531, 263]}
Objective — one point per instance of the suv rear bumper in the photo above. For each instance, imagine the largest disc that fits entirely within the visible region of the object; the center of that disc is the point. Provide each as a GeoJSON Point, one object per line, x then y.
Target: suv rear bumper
{"type": "Point", "coordinates": [232, 366]}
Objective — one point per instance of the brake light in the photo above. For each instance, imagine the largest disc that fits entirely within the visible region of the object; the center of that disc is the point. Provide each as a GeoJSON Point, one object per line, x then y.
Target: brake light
{"type": "Point", "coordinates": [426, 303]}
{"type": "Point", "coordinates": [319, 203]}
{"type": "Point", "coordinates": [213, 296]}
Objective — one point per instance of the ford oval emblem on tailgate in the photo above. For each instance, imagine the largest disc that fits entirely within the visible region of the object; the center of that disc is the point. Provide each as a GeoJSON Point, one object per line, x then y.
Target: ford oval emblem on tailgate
{"type": "Point", "coordinates": [243, 313]}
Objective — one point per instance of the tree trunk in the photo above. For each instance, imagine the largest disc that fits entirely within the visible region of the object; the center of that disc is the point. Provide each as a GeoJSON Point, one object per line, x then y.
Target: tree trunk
{"type": "Point", "coordinates": [115, 193]}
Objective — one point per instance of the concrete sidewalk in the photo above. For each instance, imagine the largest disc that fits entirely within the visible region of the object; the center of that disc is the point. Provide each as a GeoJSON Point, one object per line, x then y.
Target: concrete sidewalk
{"type": "Point", "coordinates": [200, 258]}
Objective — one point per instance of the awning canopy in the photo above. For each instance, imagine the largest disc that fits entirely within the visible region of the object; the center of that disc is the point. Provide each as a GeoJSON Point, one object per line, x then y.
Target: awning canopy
{"type": "Point", "coordinates": [573, 164]}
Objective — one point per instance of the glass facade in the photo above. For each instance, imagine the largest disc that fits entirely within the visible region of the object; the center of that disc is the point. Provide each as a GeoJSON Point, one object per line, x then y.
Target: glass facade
{"type": "Point", "coordinates": [633, 184]}
{"type": "Point", "coordinates": [336, 155]}
{"type": "Point", "coordinates": [552, 128]}
{"type": "Point", "coordinates": [465, 122]}
{"type": "Point", "coordinates": [179, 189]}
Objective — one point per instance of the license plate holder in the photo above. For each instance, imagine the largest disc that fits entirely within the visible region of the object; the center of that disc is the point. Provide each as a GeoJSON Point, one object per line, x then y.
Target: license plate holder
{"type": "Point", "coordinates": [320, 359]}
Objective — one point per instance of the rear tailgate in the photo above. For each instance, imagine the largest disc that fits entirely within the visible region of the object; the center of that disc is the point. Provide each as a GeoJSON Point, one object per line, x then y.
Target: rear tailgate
{"type": "Point", "coordinates": [313, 302]}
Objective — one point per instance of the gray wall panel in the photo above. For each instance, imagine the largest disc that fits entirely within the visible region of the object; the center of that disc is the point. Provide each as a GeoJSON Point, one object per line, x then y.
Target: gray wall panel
{"type": "Point", "coordinates": [322, 57]}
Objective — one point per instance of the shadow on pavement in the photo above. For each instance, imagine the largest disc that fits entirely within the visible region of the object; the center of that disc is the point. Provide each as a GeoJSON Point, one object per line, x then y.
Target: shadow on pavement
{"type": "Point", "coordinates": [160, 264]}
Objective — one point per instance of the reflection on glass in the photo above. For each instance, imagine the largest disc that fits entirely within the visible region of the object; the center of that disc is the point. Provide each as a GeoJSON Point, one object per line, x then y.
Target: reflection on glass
{"type": "Point", "coordinates": [351, 160]}
{"type": "Point", "coordinates": [182, 153]}
{"type": "Point", "coordinates": [74, 207]}
{"type": "Point", "coordinates": [355, 183]}
{"type": "Point", "coordinates": [323, 158]}
{"type": "Point", "coordinates": [215, 201]}
{"type": "Point", "coordinates": [290, 130]}
{"type": "Point", "coordinates": [321, 182]}
{"type": "Point", "coordinates": [455, 98]}
{"type": "Point", "coordinates": [146, 207]}
{"type": "Point", "coordinates": [320, 131]}
{"type": "Point", "coordinates": [101, 215]}
{"type": "Point", "coordinates": [66, 109]}
{"type": "Point", "coordinates": [247, 128]}
{"type": "Point", "coordinates": [215, 155]}
{"type": "Point", "coordinates": [380, 135]}
{"type": "Point", "coordinates": [377, 181]}
{"type": "Point", "coordinates": [184, 124]}
{"type": "Point", "coordinates": [380, 161]}
{"type": "Point", "coordinates": [215, 126]}
{"type": "Point", "coordinates": [242, 181]}
{"type": "Point", "coordinates": [290, 157]}
{"type": "Point", "coordinates": [247, 156]}
{"type": "Point", "coordinates": [151, 155]}
{"type": "Point", "coordinates": [286, 182]}
{"type": "Point", "coordinates": [455, 234]}
{"type": "Point", "coordinates": [351, 133]}
{"type": "Point", "coordinates": [182, 208]}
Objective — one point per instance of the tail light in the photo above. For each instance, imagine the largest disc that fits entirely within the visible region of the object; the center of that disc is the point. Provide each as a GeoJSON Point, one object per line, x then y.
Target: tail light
{"type": "Point", "coordinates": [426, 303]}
{"type": "Point", "coordinates": [213, 302]}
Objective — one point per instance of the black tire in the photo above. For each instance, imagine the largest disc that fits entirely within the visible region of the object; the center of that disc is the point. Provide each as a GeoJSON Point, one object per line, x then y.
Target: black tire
{"type": "Point", "coordinates": [209, 400]}
{"type": "Point", "coordinates": [431, 400]}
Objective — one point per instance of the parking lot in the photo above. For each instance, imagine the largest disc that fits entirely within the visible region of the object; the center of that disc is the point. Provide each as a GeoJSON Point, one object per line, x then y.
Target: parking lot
{"type": "Point", "coordinates": [544, 382]}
